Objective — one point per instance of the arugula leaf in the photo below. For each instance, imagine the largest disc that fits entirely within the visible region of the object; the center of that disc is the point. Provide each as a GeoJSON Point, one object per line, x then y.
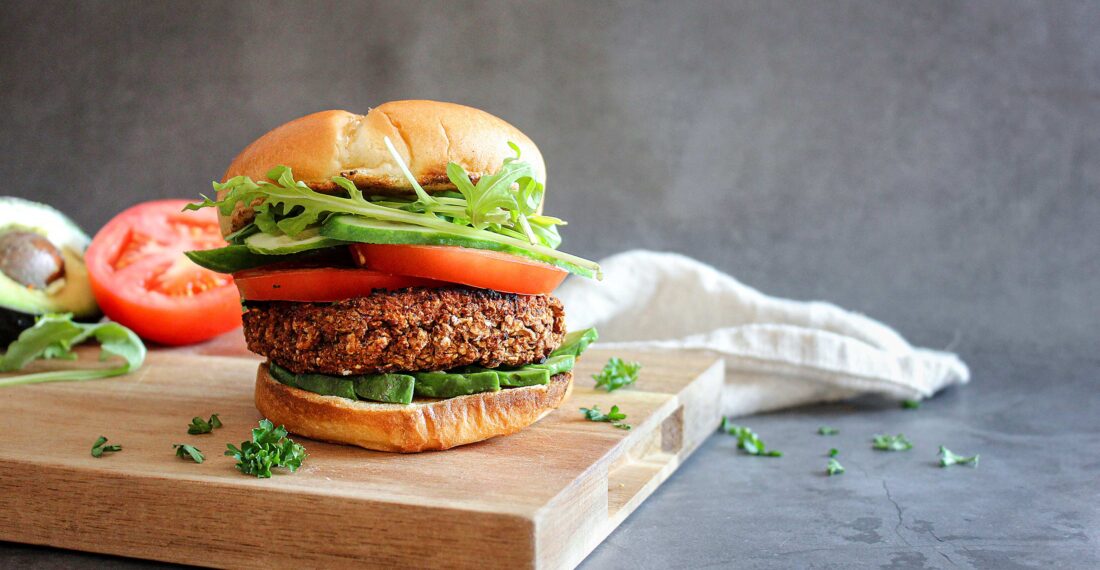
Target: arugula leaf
{"type": "Point", "coordinates": [826, 430]}
{"type": "Point", "coordinates": [891, 442]}
{"type": "Point", "coordinates": [55, 335]}
{"type": "Point", "coordinates": [748, 440]}
{"type": "Point", "coordinates": [834, 468]}
{"type": "Point", "coordinates": [270, 447]}
{"type": "Point", "coordinates": [200, 426]}
{"type": "Point", "coordinates": [617, 373]}
{"type": "Point", "coordinates": [613, 417]}
{"type": "Point", "coordinates": [947, 458]}
{"type": "Point", "coordinates": [100, 447]}
{"type": "Point", "coordinates": [289, 207]}
{"type": "Point", "coordinates": [184, 451]}
{"type": "Point", "coordinates": [910, 404]}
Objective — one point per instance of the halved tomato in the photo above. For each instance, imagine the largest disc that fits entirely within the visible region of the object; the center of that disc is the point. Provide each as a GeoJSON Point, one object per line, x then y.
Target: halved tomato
{"type": "Point", "coordinates": [320, 284]}
{"type": "Point", "coordinates": [474, 267]}
{"type": "Point", "coordinates": [141, 278]}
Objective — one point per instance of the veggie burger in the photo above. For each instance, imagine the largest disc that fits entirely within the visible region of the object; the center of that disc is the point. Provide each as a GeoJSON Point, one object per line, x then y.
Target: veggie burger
{"type": "Point", "coordinates": [396, 271]}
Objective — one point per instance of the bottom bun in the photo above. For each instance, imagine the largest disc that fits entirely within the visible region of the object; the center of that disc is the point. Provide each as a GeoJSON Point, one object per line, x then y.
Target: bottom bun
{"type": "Point", "coordinates": [425, 424]}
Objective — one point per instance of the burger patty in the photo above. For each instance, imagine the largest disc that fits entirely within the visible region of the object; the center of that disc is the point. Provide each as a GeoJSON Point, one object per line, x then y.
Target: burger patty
{"type": "Point", "coordinates": [410, 330]}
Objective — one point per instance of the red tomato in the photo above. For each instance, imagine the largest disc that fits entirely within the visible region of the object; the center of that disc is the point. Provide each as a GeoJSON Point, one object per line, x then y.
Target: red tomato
{"type": "Point", "coordinates": [141, 278]}
{"type": "Point", "coordinates": [474, 267]}
{"type": "Point", "coordinates": [321, 284]}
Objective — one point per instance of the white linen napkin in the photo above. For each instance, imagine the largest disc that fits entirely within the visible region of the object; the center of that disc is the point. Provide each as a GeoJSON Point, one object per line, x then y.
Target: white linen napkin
{"type": "Point", "coordinates": [779, 353]}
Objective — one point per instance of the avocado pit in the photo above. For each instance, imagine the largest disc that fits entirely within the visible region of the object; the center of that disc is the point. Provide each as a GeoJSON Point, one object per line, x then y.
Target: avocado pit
{"type": "Point", "coordinates": [30, 259]}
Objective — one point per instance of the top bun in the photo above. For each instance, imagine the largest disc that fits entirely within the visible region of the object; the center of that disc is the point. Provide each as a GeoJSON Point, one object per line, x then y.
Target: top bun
{"type": "Point", "coordinates": [427, 135]}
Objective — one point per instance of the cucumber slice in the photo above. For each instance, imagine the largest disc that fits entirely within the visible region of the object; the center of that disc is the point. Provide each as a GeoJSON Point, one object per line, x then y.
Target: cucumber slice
{"type": "Point", "coordinates": [363, 230]}
{"type": "Point", "coordinates": [281, 245]}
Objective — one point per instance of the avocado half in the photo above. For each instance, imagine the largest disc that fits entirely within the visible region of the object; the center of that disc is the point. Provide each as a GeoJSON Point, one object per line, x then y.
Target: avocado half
{"type": "Point", "coordinates": [67, 292]}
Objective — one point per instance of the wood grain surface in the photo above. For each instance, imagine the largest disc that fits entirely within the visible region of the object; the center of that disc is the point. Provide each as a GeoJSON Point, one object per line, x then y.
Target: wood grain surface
{"type": "Point", "coordinates": [542, 498]}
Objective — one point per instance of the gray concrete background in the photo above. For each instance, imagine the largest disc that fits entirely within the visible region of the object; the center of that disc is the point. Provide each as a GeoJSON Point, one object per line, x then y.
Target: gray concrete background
{"type": "Point", "coordinates": [933, 164]}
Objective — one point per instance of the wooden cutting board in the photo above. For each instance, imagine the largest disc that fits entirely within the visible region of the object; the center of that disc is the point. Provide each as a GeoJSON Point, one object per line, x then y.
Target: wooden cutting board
{"type": "Point", "coordinates": [542, 498]}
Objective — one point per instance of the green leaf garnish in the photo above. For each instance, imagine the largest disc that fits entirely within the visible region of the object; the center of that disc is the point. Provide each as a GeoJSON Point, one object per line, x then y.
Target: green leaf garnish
{"type": "Point", "coordinates": [100, 447]}
{"type": "Point", "coordinates": [270, 447]}
{"type": "Point", "coordinates": [500, 208]}
{"type": "Point", "coordinates": [891, 443]}
{"type": "Point", "coordinates": [748, 440]}
{"type": "Point", "coordinates": [617, 373]}
{"type": "Point", "coordinates": [834, 468]}
{"type": "Point", "coordinates": [200, 426]}
{"type": "Point", "coordinates": [834, 452]}
{"type": "Point", "coordinates": [184, 451]}
{"type": "Point", "coordinates": [826, 430]}
{"type": "Point", "coordinates": [55, 335]}
{"type": "Point", "coordinates": [613, 417]}
{"type": "Point", "coordinates": [910, 404]}
{"type": "Point", "coordinates": [947, 458]}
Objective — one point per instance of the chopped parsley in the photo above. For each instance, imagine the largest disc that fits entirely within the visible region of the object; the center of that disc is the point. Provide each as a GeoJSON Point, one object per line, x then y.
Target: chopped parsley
{"type": "Point", "coordinates": [748, 440]}
{"type": "Point", "coordinates": [834, 452]}
{"type": "Point", "coordinates": [891, 443]}
{"type": "Point", "coordinates": [184, 451]}
{"type": "Point", "coordinates": [617, 373]}
{"type": "Point", "coordinates": [100, 447]}
{"type": "Point", "coordinates": [613, 417]}
{"type": "Point", "coordinates": [200, 426]}
{"type": "Point", "coordinates": [947, 458]}
{"type": "Point", "coordinates": [826, 430]}
{"type": "Point", "coordinates": [834, 468]}
{"type": "Point", "coordinates": [910, 404]}
{"type": "Point", "coordinates": [270, 447]}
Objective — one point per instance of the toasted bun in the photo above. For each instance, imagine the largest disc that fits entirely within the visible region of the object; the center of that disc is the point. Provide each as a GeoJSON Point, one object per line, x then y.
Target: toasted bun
{"type": "Point", "coordinates": [421, 426]}
{"type": "Point", "coordinates": [427, 135]}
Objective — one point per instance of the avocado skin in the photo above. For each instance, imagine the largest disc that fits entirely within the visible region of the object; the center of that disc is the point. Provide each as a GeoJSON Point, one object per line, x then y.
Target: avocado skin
{"type": "Point", "coordinates": [12, 323]}
{"type": "Point", "coordinates": [446, 385]}
{"type": "Point", "coordinates": [388, 388]}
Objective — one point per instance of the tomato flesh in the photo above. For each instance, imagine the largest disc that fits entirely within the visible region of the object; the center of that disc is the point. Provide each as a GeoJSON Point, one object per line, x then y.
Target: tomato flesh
{"type": "Point", "coordinates": [474, 267]}
{"type": "Point", "coordinates": [319, 284]}
{"type": "Point", "coordinates": [142, 280]}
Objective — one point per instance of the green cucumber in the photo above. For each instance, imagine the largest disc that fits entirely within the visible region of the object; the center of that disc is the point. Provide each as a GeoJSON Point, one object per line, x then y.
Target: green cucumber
{"type": "Point", "coordinates": [266, 244]}
{"type": "Point", "coordinates": [388, 388]}
{"type": "Point", "coordinates": [446, 385]}
{"type": "Point", "coordinates": [231, 258]}
{"type": "Point", "coordinates": [576, 342]}
{"type": "Point", "coordinates": [362, 230]}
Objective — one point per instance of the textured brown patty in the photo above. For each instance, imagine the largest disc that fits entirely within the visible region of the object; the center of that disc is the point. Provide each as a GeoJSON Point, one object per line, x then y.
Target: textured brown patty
{"type": "Point", "coordinates": [407, 331]}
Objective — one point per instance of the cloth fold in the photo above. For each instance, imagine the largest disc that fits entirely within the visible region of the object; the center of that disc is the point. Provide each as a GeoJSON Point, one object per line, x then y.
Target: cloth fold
{"type": "Point", "coordinates": [779, 353]}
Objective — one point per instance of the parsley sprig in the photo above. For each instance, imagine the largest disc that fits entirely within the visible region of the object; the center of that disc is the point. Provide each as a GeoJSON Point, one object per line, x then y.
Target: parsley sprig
{"type": "Point", "coordinates": [891, 442]}
{"type": "Point", "coordinates": [100, 447]}
{"type": "Point", "coordinates": [834, 468]}
{"type": "Point", "coordinates": [613, 417]}
{"type": "Point", "coordinates": [826, 430]}
{"type": "Point", "coordinates": [184, 451]}
{"type": "Point", "coordinates": [947, 458]}
{"type": "Point", "coordinates": [201, 426]}
{"type": "Point", "coordinates": [617, 373]}
{"type": "Point", "coordinates": [55, 335]}
{"type": "Point", "coordinates": [270, 447]}
{"type": "Point", "coordinates": [748, 440]}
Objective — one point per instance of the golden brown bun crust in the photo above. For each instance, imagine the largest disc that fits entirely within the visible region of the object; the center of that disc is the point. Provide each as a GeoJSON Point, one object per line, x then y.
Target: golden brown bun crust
{"type": "Point", "coordinates": [421, 426]}
{"type": "Point", "coordinates": [427, 135]}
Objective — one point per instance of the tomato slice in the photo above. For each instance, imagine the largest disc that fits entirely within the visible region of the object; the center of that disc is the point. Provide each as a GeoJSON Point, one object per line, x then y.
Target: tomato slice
{"type": "Point", "coordinates": [141, 278]}
{"type": "Point", "coordinates": [320, 284]}
{"type": "Point", "coordinates": [474, 267]}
